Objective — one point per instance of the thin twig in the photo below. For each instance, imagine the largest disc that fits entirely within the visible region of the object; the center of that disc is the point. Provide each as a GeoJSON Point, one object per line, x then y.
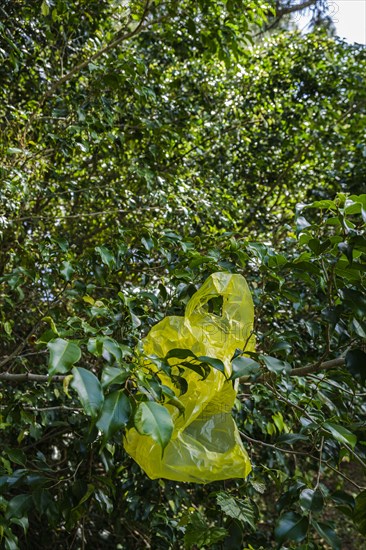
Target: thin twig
{"type": "Point", "coordinates": [271, 446]}
{"type": "Point", "coordinates": [320, 463]}
{"type": "Point", "coordinates": [20, 347]}
{"type": "Point", "coordinates": [29, 377]}
{"type": "Point", "coordinates": [289, 451]}
{"type": "Point", "coordinates": [344, 476]}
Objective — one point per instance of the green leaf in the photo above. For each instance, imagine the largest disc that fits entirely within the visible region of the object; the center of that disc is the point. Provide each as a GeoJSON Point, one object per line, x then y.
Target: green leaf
{"type": "Point", "coordinates": [344, 502]}
{"type": "Point", "coordinates": [63, 355]}
{"type": "Point", "coordinates": [258, 486]}
{"type": "Point", "coordinates": [106, 256]}
{"type": "Point", "coordinates": [359, 516]}
{"type": "Point", "coordinates": [244, 366]}
{"type": "Point", "coordinates": [13, 151]}
{"type": "Point", "coordinates": [347, 250]}
{"type": "Point", "coordinates": [154, 420]}
{"type": "Point", "coordinates": [67, 270]}
{"type": "Point", "coordinates": [17, 456]}
{"type": "Point", "coordinates": [341, 434]}
{"type": "Point", "coordinates": [113, 375]}
{"type": "Point", "coordinates": [45, 9]}
{"type": "Point", "coordinates": [95, 346]}
{"type": "Point", "coordinates": [360, 329]}
{"type": "Point", "coordinates": [111, 347]}
{"type": "Point", "coordinates": [8, 328]}
{"type": "Point", "coordinates": [275, 365]}
{"type": "Point", "coordinates": [11, 541]}
{"type": "Point", "coordinates": [21, 522]}
{"type": "Point", "coordinates": [52, 325]}
{"type": "Point", "coordinates": [241, 510]}
{"type": "Point", "coordinates": [89, 491]}
{"type": "Point", "coordinates": [311, 500]}
{"type": "Point", "coordinates": [147, 242]}
{"type": "Point", "coordinates": [199, 534]}
{"type": "Point", "coordinates": [115, 414]}
{"type": "Point", "coordinates": [214, 363]}
{"type": "Point", "coordinates": [89, 390]}
{"type": "Point", "coordinates": [291, 526]}
{"type": "Point", "coordinates": [180, 354]}
{"type": "Point", "coordinates": [175, 402]}
{"type": "Point", "coordinates": [180, 382]}
{"type": "Point", "coordinates": [301, 224]}
{"type": "Point", "coordinates": [328, 534]}
{"type": "Point", "coordinates": [202, 369]}
{"type": "Point", "coordinates": [19, 506]}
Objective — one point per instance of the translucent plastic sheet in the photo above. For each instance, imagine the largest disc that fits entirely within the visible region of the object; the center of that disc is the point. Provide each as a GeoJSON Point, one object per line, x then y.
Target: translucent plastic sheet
{"type": "Point", "coordinates": [206, 444]}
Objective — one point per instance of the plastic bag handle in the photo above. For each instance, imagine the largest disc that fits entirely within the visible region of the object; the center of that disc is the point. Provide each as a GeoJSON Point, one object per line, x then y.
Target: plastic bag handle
{"type": "Point", "coordinates": [233, 288]}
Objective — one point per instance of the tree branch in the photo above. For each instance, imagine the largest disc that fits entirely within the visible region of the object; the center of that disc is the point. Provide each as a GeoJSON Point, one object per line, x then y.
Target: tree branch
{"type": "Point", "coordinates": [302, 371]}
{"type": "Point", "coordinates": [315, 367]}
{"type": "Point", "coordinates": [280, 12]}
{"type": "Point", "coordinates": [29, 377]}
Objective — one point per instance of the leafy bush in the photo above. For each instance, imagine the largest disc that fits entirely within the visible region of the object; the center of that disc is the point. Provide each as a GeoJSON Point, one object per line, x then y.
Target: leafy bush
{"type": "Point", "coordinates": [144, 148]}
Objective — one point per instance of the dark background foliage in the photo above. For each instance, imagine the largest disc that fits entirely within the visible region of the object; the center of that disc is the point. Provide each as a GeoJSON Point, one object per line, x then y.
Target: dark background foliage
{"type": "Point", "coordinates": [144, 147]}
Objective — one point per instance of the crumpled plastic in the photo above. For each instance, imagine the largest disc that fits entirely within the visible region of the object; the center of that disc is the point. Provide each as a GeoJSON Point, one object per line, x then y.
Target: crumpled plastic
{"type": "Point", "coordinates": [205, 445]}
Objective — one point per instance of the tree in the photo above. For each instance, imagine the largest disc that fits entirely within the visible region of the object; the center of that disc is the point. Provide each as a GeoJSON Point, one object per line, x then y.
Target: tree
{"type": "Point", "coordinates": [145, 147]}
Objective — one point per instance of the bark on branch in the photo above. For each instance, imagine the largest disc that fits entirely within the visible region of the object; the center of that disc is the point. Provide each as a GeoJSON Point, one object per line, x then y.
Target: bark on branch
{"type": "Point", "coordinates": [303, 371]}
{"type": "Point", "coordinates": [300, 371]}
{"type": "Point", "coordinates": [280, 11]}
{"type": "Point", "coordinates": [310, 369]}
{"type": "Point", "coordinates": [30, 377]}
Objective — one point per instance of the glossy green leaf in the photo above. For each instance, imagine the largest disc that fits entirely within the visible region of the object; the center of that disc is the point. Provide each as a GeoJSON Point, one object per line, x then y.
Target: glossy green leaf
{"type": "Point", "coordinates": [328, 534]}
{"type": "Point", "coordinates": [86, 496]}
{"type": "Point", "coordinates": [341, 434]}
{"type": "Point", "coordinates": [175, 402]}
{"type": "Point", "coordinates": [239, 509]}
{"type": "Point", "coordinates": [291, 526]}
{"type": "Point", "coordinates": [244, 366]}
{"type": "Point", "coordinates": [63, 355]}
{"type": "Point", "coordinates": [106, 256]}
{"type": "Point", "coordinates": [180, 354]}
{"type": "Point", "coordinates": [114, 415]}
{"type": "Point", "coordinates": [203, 369]}
{"type": "Point", "coordinates": [154, 420]}
{"type": "Point", "coordinates": [275, 365]}
{"type": "Point", "coordinates": [17, 456]}
{"type": "Point", "coordinates": [67, 270]}
{"type": "Point", "coordinates": [311, 500]}
{"type": "Point", "coordinates": [359, 516]}
{"type": "Point", "coordinates": [89, 390]}
{"type": "Point", "coordinates": [113, 375]}
{"type": "Point", "coordinates": [200, 534]}
{"type": "Point", "coordinates": [111, 348]}
{"type": "Point", "coordinates": [19, 506]}
{"type": "Point", "coordinates": [344, 502]}
{"type": "Point", "coordinates": [214, 363]}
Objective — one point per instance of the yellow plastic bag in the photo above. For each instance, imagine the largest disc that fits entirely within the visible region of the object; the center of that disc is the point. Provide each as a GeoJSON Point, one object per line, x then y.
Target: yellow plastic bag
{"type": "Point", "coordinates": [205, 445]}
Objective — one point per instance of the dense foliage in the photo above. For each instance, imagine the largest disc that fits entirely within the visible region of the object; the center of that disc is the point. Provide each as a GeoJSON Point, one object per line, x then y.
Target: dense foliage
{"type": "Point", "coordinates": [144, 147]}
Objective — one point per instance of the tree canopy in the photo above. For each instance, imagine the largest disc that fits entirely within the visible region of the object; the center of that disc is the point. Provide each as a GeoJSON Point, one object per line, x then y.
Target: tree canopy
{"type": "Point", "coordinates": [145, 146]}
